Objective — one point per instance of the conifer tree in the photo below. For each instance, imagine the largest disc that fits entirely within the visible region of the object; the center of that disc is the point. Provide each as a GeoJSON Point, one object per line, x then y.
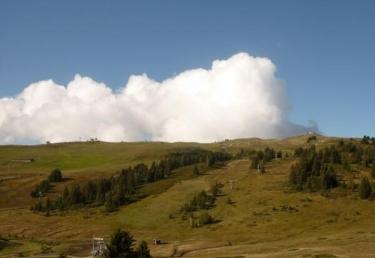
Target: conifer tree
{"type": "Point", "coordinates": [55, 176]}
{"type": "Point", "coordinates": [205, 218]}
{"type": "Point", "coordinates": [120, 245]}
{"type": "Point", "coordinates": [364, 188]}
{"type": "Point", "coordinates": [142, 250]}
{"type": "Point", "coordinates": [373, 171]}
{"type": "Point", "coordinates": [254, 163]}
{"type": "Point", "coordinates": [196, 171]}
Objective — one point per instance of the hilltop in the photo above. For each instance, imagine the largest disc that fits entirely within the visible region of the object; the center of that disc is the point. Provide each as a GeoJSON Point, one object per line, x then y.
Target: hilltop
{"type": "Point", "coordinates": [254, 214]}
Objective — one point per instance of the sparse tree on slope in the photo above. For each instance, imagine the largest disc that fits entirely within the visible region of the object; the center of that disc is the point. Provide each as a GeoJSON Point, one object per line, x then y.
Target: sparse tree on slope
{"type": "Point", "coordinates": [120, 245]}
{"type": "Point", "coordinates": [364, 188]}
{"type": "Point", "coordinates": [142, 250]}
{"type": "Point", "coordinates": [205, 218]}
{"type": "Point", "coordinates": [196, 170]}
{"type": "Point", "coordinates": [55, 176]}
{"type": "Point", "coordinates": [373, 171]}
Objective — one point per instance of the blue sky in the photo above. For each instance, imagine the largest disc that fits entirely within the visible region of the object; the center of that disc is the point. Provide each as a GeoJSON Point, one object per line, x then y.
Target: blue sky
{"type": "Point", "coordinates": [324, 50]}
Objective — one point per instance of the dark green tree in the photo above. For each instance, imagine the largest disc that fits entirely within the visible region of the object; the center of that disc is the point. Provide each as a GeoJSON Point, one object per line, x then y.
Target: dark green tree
{"type": "Point", "coordinates": [196, 171]}
{"type": "Point", "coordinates": [205, 218]}
{"type": "Point", "coordinates": [41, 189]}
{"type": "Point", "coordinates": [254, 163]}
{"type": "Point", "coordinates": [215, 190]}
{"type": "Point", "coordinates": [143, 251]}
{"type": "Point", "coordinates": [110, 205]}
{"type": "Point", "coordinates": [75, 195]}
{"type": "Point", "coordinates": [346, 165]}
{"type": "Point", "coordinates": [120, 189]}
{"type": "Point", "coordinates": [373, 171]}
{"type": "Point", "coordinates": [38, 206]}
{"type": "Point", "coordinates": [55, 176]}
{"type": "Point", "coordinates": [364, 188]}
{"type": "Point", "coordinates": [48, 204]}
{"type": "Point", "coordinates": [210, 160]}
{"type": "Point", "coordinates": [262, 168]}
{"type": "Point", "coordinates": [311, 138]}
{"type": "Point", "coordinates": [152, 173]}
{"type": "Point", "coordinates": [120, 245]}
{"type": "Point", "coordinates": [329, 179]}
{"type": "Point", "coordinates": [365, 139]}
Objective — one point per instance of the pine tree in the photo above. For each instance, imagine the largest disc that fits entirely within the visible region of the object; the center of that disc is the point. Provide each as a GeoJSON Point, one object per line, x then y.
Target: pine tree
{"type": "Point", "coordinates": [365, 139]}
{"type": "Point", "coordinates": [143, 251]}
{"type": "Point", "coordinates": [196, 171]}
{"type": "Point", "coordinates": [38, 206]}
{"type": "Point", "coordinates": [75, 195]}
{"type": "Point", "coordinates": [329, 179]}
{"type": "Point", "coordinates": [55, 176]}
{"type": "Point", "coordinates": [210, 161]}
{"type": "Point", "coordinates": [373, 171]}
{"type": "Point", "coordinates": [151, 173]}
{"type": "Point", "coordinates": [215, 190]}
{"type": "Point", "coordinates": [205, 218]}
{"type": "Point", "coordinates": [254, 163]}
{"type": "Point", "coordinates": [262, 168]}
{"type": "Point", "coordinates": [110, 205]}
{"type": "Point", "coordinates": [66, 193]}
{"type": "Point", "coordinates": [364, 188]}
{"type": "Point", "coordinates": [120, 245]}
{"type": "Point", "coordinates": [346, 165]}
{"type": "Point", "coordinates": [48, 204]}
{"type": "Point", "coordinates": [167, 168]}
{"type": "Point", "coordinates": [59, 203]}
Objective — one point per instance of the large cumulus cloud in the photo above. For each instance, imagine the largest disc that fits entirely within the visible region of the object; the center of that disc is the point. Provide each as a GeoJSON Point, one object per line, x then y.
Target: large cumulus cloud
{"type": "Point", "coordinates": [238, 97]}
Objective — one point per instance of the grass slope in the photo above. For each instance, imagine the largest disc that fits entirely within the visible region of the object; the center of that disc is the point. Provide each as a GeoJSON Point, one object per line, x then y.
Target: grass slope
{"type": "Point", "coordinates": [265, 218]}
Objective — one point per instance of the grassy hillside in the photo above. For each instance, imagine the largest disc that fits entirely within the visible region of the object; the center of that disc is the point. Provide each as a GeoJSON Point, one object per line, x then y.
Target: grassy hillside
{"type": "Point", "coordinates": [263, 218]}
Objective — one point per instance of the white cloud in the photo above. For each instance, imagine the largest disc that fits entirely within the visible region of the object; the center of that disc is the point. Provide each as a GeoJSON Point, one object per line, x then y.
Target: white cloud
{"type": "Point", "coordinates": [238, 97]}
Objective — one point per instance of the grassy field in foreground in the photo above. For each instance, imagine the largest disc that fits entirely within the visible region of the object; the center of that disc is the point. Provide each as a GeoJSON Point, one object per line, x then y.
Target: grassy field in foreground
{"type": "Point", "coordinates": [264, 219]}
